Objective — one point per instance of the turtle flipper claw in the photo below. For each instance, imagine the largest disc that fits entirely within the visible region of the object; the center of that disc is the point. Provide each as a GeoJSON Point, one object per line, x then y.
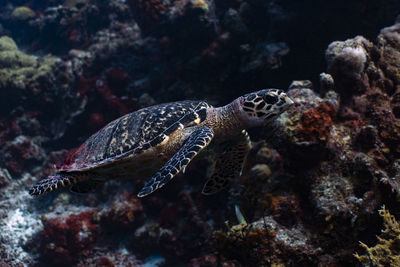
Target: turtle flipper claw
{"type": "Point", "coordinates": [49, 184]}
{"type": "Point", "coordinates": [53, 182]}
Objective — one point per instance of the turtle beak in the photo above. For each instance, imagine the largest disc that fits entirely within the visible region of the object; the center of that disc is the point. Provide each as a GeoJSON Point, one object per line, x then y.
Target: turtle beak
{"type": "Point", "coordinates": [288, 103]}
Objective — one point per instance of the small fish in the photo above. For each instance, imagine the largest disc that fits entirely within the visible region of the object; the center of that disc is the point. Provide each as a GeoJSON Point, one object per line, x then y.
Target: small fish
{"type": "Point", "coordinates": [213, 17]}
{"type": "Point", "coordinates": [239, 215]}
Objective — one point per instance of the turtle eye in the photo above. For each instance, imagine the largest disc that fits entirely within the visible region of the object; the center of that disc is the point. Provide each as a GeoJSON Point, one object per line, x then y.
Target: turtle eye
{"type": "Point", "coordinates": [270, 99]}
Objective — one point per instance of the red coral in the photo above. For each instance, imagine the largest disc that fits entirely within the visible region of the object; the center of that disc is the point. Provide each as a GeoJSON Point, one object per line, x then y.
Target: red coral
{"type": "Point", "coordinates": [21, 154]}
{"type": "Point", "coordinates": [147, 13]}
{"type": "Point", "coordinates": [171, 246]}
{"type": "Point", "coordinates": [126, 212]}
{"type": "Point", "coordinates": [317, 122]}
{"type": "Point", "coordinates": [96, 120]}
{"type": "Point", "coordinates": [100, 88]}
{"type": "Point", "coordinates": [74, 37]}
{"type": "Point", "coordinates": [117, 78]}
{"type": "Point", "coordinates": [71, 157]}
{"type": "Point", "coordinates": [85, 85]}
{"type": "Point", "coordinates": [285, 209]}
{"type": "Point", "coordinates": [168, 216]}
{"type": "Point", "coordinates": [211, 260]}
{"type": "Point", "coordinates": [105, 262]}
{"type": "Point", "coordinates": [65, 239]}
{"type": "Point", "coordinates": [217, 52]}
{"type": "Point", "coordinates": [8, 130]}
{"type": "Point", "coordinates": [113, 102]}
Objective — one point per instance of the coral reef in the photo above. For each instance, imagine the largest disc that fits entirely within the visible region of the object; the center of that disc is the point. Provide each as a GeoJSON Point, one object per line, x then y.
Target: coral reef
{"type": "Point", "coordinates": [339, 155]}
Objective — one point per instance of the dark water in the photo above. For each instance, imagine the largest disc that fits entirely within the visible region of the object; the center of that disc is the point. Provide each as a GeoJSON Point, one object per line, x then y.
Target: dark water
{"type": "Point", "coordinates": [312, 182]}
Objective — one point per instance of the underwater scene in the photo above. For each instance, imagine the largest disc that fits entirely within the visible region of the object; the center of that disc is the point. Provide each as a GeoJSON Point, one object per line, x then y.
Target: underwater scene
{"type": "Point", "coordinates": [200, 133]}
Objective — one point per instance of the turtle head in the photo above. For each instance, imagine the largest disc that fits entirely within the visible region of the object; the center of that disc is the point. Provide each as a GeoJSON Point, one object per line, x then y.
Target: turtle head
{"type": "Point", "coordinates": [261, 107]}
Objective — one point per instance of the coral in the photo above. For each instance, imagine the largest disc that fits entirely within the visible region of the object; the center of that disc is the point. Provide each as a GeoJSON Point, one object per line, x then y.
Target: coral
{"type": "Point", "coordinates": [65, 239]}
{"type": "Point", "coordinates": [326, 82]}
{"type": "Point", "coordinates": [104, 257]}
{"type": "Point", "coordinates": [211, 260]}
{"type": "Point", "coordinates": [342, 146]}
{"type": "Point", "coordinates": [151, 238]}
{"type": "Point", "coordinates": [18, 226]}
{"type": "Point", "coordinates": [74, 3]}
{"type": "Point", "coordinates": [264, 241]}
{"type": "Point", "coordinates": [317, 122]}
{"type": "Point", "coordinates": [22, 13]}
{"type": "Point", "coordinates": [388, 41]}
{"type": "Point", "coordinates": [7, 44]}
{"type": "Point", "coordinates": [125, 212]}
{"type": "Point", "coordinates": [264, 54]}
{"type": "Point", "coordinates": [386, 252]}
{"type": "Point", "coordinates": [117, 78]}
{"type": "Point", "coordinates": [96, 121]}
{"type": "Point", "coordinates": [396, 103]}
{"type": "Point", "coordinates": [112, 100]}
{"type": "Point", "coordinates": [22, 153]}
{"type": "Point", "coordinates": [245, 243]}
{"type": "Point", "coordinates": [148, 14]}
{"type": "Point", "coordinates": [71, 25]}
{"type": "Point", "coordinates": [347, 62]}
{"type": "Point", "coordinates": [10, 57]}
{"type": "Point", "coordinates": [5, 177]}
{"type": "Point", "coordinates": [20, 71]}
{"type": "Point", "coordinates": [260, 171]}
{"type": "Point", "coordinates": [305, 130]}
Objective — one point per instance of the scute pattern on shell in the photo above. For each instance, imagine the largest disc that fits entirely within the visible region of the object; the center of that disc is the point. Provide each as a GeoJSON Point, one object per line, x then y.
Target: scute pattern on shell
{"type": "Point", "coordinates": [129, 132]}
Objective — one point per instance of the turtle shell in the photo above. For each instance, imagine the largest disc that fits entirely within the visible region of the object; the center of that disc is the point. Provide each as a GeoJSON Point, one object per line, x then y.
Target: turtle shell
{"type": "Point", "coordinates": [127, 135]}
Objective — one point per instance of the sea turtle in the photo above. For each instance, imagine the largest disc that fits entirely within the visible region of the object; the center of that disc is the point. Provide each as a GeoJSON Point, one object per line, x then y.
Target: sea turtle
{"type": "Point", "coordinates": [168, 136]}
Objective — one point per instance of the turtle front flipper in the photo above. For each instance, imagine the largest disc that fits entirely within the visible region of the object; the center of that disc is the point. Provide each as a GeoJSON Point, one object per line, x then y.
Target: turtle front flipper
{"type": "Point", "coordinates": [196, 142]}
{"type": "Point", "coordinates": [229, 164]}
{"type": "Point", "coordinates": [53, 182]}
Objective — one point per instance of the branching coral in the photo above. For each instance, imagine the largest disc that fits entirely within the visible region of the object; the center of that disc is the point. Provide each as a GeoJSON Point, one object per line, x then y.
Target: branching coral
{"type": "Point", "coordinates": [387, 251]}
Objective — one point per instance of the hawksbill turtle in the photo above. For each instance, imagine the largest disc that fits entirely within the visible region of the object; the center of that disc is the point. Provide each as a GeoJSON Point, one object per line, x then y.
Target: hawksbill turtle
{"type": "Point", "coordinates": [160, 141]}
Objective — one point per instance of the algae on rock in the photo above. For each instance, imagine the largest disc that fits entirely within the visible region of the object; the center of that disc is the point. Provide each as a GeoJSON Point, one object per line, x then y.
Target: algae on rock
{"type": "Point", "coordinates": [387, 251]}
{"type": "Point", "coordinates": [17, 67]}
{"type": "Point", "coordinates": [22, 13]}
{"type": "Point", "coordinates": [7, 44]}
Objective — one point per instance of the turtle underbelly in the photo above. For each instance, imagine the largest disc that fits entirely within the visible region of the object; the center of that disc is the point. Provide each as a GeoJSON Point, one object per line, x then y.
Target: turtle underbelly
{"type": "Point", "coordinates": [132, 169]}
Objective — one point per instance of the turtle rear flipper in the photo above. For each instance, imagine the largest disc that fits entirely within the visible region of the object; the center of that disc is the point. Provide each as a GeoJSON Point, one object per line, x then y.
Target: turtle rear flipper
{"type": "Point", "coordinates": [196, 142]}
{"type": "Point", "coordinates": [229, 164]}
{"type": "Point", "coordinates": [56, 181]}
